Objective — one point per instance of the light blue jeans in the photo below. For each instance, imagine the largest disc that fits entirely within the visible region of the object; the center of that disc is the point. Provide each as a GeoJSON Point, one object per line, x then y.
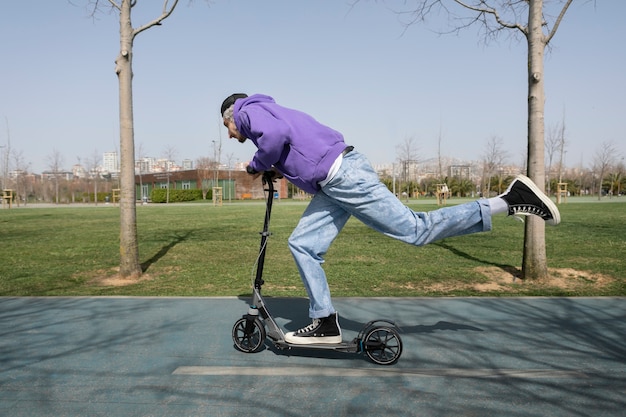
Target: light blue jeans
{"type": "Point", "coordinates": [356, 191]}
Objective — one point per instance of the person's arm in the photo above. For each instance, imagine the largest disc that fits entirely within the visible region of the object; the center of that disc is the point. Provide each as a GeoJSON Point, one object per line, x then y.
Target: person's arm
{"type": "Point", "coordinates": [271, 136]}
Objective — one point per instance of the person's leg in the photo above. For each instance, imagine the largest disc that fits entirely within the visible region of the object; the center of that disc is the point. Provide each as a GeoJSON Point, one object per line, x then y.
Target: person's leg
{"type": "Point", "coordinates": [318, 227]}
{"type": "Point", "coordinates": [358, 190]}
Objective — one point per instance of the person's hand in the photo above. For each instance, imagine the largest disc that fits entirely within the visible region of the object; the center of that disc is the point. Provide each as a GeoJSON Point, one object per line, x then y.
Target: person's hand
{"type": "Point", "coordinates": [251, 171]}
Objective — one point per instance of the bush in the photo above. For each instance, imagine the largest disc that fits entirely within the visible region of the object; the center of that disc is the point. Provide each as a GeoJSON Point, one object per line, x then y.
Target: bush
{"type": "Point", "coordinates": [159, 195]}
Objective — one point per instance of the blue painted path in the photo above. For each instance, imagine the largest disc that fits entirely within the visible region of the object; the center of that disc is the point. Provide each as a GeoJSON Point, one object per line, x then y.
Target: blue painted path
{"type": "Point", "coordinates": [110, 356]}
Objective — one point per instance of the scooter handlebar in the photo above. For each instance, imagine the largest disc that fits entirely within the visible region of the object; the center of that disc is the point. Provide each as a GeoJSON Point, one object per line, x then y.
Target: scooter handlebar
{"type": "Point", "coordinates": [270, 176]}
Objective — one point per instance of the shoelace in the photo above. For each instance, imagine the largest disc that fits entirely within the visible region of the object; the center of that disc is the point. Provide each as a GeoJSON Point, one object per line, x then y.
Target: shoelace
{"type": "Point", "coordinates": [310, 327]}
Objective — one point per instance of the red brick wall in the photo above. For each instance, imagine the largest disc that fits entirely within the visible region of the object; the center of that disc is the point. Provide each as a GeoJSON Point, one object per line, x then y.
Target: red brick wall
{"type": "Point", "coordinates": [245, 185]}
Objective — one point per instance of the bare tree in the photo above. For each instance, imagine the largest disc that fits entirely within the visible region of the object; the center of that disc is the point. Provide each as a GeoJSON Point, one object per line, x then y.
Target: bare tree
{"type": "Point", "coordinates": [618, 176]}
{"type": "Point", "coordinates": [408, 158]}
{"type": "Point", "coordinates": [91, 166]}
{"type": "Point", "coordinates": [561, 148]}
{"type": "Point", "coordinates": [604, 158]}
{"type": "Point", "coordinates": [21, 168]}
{"type": "Point", "coordinates": [170, 155]}
{"type": "Point", "coordinates": [409, 149]}
{"type": "Point", "coordinates": [129, 249]}
{"type": "Point", "coordinates": [204, 165]}
{"type": "Point", "coordinates": [494, 159]}
{"type": "Point", "coordinates": [5, 157]}
{"type": "Point", "coordinates": [555, 146]}
{"type": "Point", "coordinates": [55, 161]}
{"type": "Point", "coordinates": [536, 22]}
{"type": "Point", "coordinates": [552, 147]}
{"type": "Point", "coordinates": [139, 153]}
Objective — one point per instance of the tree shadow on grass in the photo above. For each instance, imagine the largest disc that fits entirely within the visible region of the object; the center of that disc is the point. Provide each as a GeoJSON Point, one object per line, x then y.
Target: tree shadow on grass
{"type": "Point", "coordinates": [176, 239]}
{"type": "Point", "coordinates": [510, 269]}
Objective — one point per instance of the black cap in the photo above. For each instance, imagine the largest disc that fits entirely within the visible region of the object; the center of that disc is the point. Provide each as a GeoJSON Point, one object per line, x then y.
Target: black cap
{"type": "Point", "coordinates": [230, 100]}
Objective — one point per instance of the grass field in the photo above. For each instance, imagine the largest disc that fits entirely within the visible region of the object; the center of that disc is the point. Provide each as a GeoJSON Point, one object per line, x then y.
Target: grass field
{"type": "Point", "coordinates": [202, 250]}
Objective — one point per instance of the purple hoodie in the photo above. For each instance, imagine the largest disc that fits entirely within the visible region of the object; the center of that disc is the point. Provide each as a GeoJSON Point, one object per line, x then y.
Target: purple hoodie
{"type": "Point", "coordinates": [298, 146]}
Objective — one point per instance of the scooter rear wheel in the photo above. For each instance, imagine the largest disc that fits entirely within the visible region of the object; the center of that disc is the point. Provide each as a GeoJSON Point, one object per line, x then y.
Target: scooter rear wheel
{"type": "Point", "coordinates": [248, 335]}
{"type": "Point", "coordinates": [383, 345]}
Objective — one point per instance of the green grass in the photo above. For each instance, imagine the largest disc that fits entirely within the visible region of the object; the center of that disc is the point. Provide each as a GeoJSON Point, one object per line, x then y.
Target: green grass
{"type": "Point", "coordinates": [201, 250]}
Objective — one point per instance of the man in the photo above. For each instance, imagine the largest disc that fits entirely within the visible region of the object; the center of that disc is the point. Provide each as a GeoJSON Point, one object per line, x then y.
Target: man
{"type": "Point", "coordinates": [315, 158]}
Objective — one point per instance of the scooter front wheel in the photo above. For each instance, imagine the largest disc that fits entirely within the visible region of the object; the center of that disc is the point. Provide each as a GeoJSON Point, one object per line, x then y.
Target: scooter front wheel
{"type": "Point", "coordinates": [248, 335]}
{"type": "Point", "coordinates": [383, 345]}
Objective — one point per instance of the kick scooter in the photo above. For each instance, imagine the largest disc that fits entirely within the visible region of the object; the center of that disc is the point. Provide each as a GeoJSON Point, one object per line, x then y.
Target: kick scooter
{"type": "Point", "coordinates": [378, 339]}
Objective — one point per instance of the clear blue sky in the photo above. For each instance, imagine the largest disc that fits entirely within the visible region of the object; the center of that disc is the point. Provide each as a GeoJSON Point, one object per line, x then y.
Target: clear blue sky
{"type": "Point", "coordinates": [353, 68]}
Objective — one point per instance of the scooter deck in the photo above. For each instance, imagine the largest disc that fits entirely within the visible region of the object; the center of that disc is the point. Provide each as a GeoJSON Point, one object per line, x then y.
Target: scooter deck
{"type": "Point", "coordinates": [343, 346]}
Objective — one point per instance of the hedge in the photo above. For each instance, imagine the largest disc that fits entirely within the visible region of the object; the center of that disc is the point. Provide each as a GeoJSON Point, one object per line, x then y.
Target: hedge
{"type": "Point", "coordinates": [159, 195]}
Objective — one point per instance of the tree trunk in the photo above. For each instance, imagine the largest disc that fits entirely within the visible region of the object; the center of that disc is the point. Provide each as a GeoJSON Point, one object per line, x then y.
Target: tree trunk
{"type": "Point", "coordinates": [534, 264]}
{"type": "Point", "coordinates": [129, 249]}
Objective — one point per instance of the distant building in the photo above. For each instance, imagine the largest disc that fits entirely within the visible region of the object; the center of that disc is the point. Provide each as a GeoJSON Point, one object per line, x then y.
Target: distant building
{"type": "Point", "coordinates": [110, 162]}
{"type": "Point", "coordinates": [60, 175]}
{"type": "Point", "coordinates": [78, 171]}
{"type": "Point", "coordinates": [187, 164]}
{"type": "Point", "coordinates": [145, 165]}
{"type": "Point", "coordinates": [462, 172]}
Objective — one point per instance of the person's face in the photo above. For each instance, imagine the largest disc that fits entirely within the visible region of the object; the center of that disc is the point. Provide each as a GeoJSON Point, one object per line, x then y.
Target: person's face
{"type": "Point", "coordinates": [233, 132]}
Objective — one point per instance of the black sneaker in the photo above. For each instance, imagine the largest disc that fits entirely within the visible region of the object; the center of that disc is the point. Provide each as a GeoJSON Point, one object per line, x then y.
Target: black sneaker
{"type": "Point", "coordinates": [325, 330]}
{"type": "Point", "coordinates": [524, 199]}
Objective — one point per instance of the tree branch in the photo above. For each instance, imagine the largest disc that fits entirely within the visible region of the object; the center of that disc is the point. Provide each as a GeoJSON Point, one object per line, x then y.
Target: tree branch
{"type": "Point", "coordinates": [114, 4]}
{"type": "Point", "coordinates": [494, 13]}
{"type": "Point", "coordinates": [558, 21]}
{"type": "Point", "coordinates": [482, 12]}
{"type": "Point", "coordinates": [167, 11]}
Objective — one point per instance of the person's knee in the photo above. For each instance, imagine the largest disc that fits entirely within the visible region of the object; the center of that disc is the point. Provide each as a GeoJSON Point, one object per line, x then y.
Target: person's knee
{"type": "Point", "coordinates": [293, 243]}
{"type": "Point", "coordinates": [301, 247]}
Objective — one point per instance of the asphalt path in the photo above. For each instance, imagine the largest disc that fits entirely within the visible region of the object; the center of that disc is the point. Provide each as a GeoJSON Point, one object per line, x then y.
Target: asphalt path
{"type": "Point", "coordinates": [140, 356]}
